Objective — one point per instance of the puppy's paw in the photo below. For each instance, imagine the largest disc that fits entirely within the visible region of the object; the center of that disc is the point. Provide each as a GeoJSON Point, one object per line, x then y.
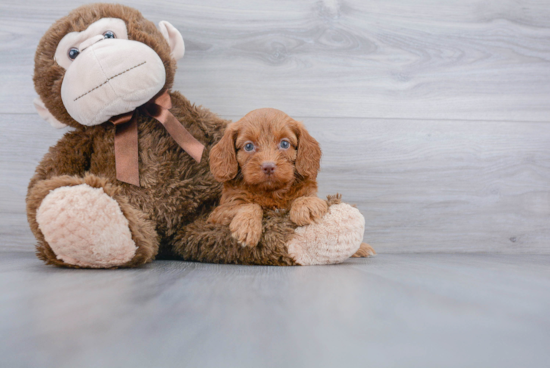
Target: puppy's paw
{"type": "Point", "coordinates": [246, 226]}
{"type": "Point", "coordinates": [247, 231]}
{"type": "Point", "coordinates": [364, 251]}
{"type": "Point", "coordinates": [221, 215]}
{"type": "Point", "coordinates": [306, 210]}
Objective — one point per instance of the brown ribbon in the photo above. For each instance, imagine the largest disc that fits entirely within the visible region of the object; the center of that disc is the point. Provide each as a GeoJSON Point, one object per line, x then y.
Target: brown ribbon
{"type": "Point", "coordinates": [126, 137]}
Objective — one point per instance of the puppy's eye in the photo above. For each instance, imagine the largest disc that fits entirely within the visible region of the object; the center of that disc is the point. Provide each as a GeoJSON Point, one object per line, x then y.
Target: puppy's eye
{"type": "Point", "coordinates": [109, 34]}
{"type": "Point", "coordinates": [285, 144]}
{"type": "Point", "coordinates": [249, 147]}
{"type": "Point", "coordinates": [73, 53]}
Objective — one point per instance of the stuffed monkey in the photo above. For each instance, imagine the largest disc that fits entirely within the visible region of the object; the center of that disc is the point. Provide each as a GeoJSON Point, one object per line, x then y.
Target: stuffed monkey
{"type": "Point", "coordinates": [131, 181]}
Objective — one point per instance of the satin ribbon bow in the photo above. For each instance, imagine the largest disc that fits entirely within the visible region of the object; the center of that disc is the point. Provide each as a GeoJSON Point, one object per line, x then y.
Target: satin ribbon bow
{"type": "Point", "coordinates": [126, 137]}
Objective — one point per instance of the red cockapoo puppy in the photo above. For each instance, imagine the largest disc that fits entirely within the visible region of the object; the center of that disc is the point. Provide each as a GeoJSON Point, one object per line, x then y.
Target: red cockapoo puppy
{"type": "Point", "coordinates": [267, 160]}
{"type": "Point", "coordinates": [278, 162]}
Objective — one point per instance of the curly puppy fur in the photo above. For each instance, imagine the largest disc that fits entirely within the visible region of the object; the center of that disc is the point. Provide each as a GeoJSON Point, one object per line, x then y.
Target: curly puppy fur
{"type": "Point", "coordinates": [266, 160]}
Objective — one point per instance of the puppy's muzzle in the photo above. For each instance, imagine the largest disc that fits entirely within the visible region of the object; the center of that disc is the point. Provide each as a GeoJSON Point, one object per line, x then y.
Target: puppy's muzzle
{"type": "Point", "coordinates": [268, 167]}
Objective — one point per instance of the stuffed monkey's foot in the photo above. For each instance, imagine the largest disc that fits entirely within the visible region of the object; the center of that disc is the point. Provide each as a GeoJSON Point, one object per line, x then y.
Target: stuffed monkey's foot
{"type": "Point", "coordinates": [333, 239]}
{"type": "Point", "coordinates": [364, 251]}
{"type": "Point", "coordinates": [85, 227]}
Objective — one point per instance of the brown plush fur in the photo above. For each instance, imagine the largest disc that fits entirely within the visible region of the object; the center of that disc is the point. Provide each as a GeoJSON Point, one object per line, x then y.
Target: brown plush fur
{"type": "Point", "coordinates": [364, 251]}
{"type": "Point", "coordinates": [168, 211]}
{"type": "Point", "coordinates": [48, 75]}
{"type": "Point", "coordinates": [207, 242]}
{"type": "Point", "coordinates": [288, 181]}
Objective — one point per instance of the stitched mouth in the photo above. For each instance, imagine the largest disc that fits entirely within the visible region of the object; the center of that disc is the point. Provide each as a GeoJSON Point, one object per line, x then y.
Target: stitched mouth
{"type": "Point", "coordinates": [108, 79]}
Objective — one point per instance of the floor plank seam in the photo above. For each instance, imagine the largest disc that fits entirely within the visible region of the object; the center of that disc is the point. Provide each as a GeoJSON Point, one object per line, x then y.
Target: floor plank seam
{"type": "Point", "coordinates": [362, 118]}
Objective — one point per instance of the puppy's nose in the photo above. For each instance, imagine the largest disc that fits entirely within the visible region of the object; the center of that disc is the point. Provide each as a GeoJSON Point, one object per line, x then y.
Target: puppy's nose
{"type": "Point", "coordinates": [268, 167]}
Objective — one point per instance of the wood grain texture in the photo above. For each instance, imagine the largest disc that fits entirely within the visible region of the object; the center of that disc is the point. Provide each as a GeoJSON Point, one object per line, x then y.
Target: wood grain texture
{"type": "Point", "coordinates": [423, 186]}
{"type": "Point", "coordinates": [418, 310]}
{"type": "Point", "coordinates": [426, 59]}
{"type": "Point", "coordinates": [432, 186]}
{"type": "Point", "coordinates": [383, 85]}
{"type": "Point", "coordinates": [25, 139]}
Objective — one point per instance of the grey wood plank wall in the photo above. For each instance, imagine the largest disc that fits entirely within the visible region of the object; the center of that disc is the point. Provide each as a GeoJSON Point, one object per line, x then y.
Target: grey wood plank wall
{"type": "Point", "coordinates": [433, 115]}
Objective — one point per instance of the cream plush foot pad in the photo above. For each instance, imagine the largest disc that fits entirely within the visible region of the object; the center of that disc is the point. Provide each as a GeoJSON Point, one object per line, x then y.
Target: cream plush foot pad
{"type": "Point", "coordinates": [85, 227]}
{"type": "Point", "coordinates": [332, 240]}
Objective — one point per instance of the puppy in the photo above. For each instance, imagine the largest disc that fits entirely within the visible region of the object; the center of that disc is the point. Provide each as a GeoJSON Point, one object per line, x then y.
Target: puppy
{"type": "Point", "coordinates": [266, 160]}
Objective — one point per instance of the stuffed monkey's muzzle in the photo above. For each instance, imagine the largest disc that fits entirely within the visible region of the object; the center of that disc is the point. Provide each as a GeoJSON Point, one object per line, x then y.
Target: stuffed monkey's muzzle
{"type": "Point", "coordinates": [111, 77]}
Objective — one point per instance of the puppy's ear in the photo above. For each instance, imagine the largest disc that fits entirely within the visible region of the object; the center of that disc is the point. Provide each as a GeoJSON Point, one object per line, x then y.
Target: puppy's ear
{"type": "Point", "coordinates": [223, 157]}
{"type": "Point", "coordinates": [308, 159]}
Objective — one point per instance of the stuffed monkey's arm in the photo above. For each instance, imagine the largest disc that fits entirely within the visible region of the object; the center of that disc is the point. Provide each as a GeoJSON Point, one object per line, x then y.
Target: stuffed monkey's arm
{"type": "Point", "coordinates": [208, 242]}
{"type": "Point", "coordinates": [333, 239]}
{"type": "Point", "coordinates": [70, 156]}
{"type": "Point", "coordinates": [64, 165]}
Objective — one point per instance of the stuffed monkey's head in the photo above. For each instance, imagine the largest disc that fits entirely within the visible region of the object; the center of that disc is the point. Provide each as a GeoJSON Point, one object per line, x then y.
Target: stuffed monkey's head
{"type": "Point", "coordinates": [100, 61]}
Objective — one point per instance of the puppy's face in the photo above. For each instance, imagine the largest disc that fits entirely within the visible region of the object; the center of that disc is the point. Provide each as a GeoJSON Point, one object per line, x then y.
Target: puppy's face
{"type": "Point", "coordinates": [269, 147]}
{"type": "Point", "coordinates": [266, 151]}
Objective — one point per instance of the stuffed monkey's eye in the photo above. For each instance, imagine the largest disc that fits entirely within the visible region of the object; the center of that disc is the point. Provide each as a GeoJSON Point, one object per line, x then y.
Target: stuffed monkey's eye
{"type": "Point", "coordinates": [109, 34]}
{"type": "Point", "coordinates": [249, 147]}
{"type": "Point", "coordinates": [285, 144]}
{"type": "Point", "coordinates": [73, 53]}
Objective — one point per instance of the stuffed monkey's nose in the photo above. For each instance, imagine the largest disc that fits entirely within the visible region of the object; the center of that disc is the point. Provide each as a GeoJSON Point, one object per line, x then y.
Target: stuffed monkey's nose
{"type": "Point", "coordinates": [89, 42]}
{"type": "Point", "coordinates": [268, 167]}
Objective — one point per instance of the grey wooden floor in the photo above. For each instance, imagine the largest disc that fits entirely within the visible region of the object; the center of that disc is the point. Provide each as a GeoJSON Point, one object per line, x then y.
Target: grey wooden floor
{"type": "Point", "coordinates": [394, 310]}
{"type": "Point", "coordinates": [434, 118]}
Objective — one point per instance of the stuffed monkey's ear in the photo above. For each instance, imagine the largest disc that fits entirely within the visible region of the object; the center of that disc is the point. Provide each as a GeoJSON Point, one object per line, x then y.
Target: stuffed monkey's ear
{"type": "Point", "coordinates": [308, 158]}
{"type": "Point", "coordinates": [46, 114]}
{"type": "Point", "coordinates": [174, 39]}
{"type": "Point", "coordinates": [223, 157]}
